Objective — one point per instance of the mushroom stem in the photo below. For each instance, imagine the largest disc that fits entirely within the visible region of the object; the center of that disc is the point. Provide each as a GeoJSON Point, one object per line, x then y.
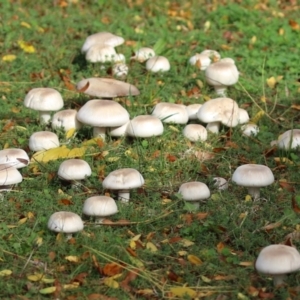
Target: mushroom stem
{"type": "Point", "coordinates": [45, 117]}
{"type": "Point", "coordinates": [124, 196]}
{"type": "Point", "coordinates": [213, 127]}
{"type": "Point", "coordinates": [68, 236]}
{"type": "Point", "coordinates": [254, 192]}
{"type": "Point", "coordinates": [99, 132]}
{"type": "Point", "coordinates": [279, 279]}
{"type": "Point", "coordinates": [220, 90]}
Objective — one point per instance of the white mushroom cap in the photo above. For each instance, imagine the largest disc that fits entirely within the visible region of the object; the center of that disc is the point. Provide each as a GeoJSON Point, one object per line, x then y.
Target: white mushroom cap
{"type": "Point", "coordinates": [103, 54]}
{"type": "Point", "coordinates": [219, 110]}
{"type": "Point", "coordinates": [44, 100]}
{"type": "Point", "coordinates": [118, 131]}
{"type": "Point", "coordinates": [107, 87]}
{"type": "Point", "coordinates": [222, 74]}
{"type": "Point", "coordinates": [158, 64]}
{"type": "Point", "coordinates": [243, 116]}
{"type": "Point", "coordinates": [102, 38]}
{"type": "Point", "coordinates": [278, 260]}
{"type": "Point", "coordinates": [290, 139]}
{"type": "Point", "coordinates": [250, 129]}
{"type": "Point", "coordinates": [195, 132]}
{"type": "Point", "coordinates": [14, 157]}
{"type": "Point", "coordinates": [99, 207]}
{"type": "Point", "coordinates": [65, 221]}
{"type": "Point", "coordinates": [74, 169]}
{"type": "Point", "coordinates": [171, 113]}
{"type": "Point", "coordinates": [66, 119]}
{"type": "Point", "coordinates": [253, 176]}
{"type": "Point", "coordinates": [192, 110]}
{"type": "Point", "coordinates": [145, 126]}
{"type": "Point", "coordinates": [194, 191]}
{"type": "Point", "coordinates": [204, 59]}
{"type": "Point", "coordinates": [9, 176]}
{"type": "Point", "coordinates": [142, 54]}
{"type": "Point", "coordinates": [221, 183]}
{"type": "Point", "coordinates": [123, 180]}
{"type": "Point", "coordinates": [101, 114]}
{"type": "Point", "coordinates": [43, 140]}
{"type": "Point", "coordinates": [120, 69]}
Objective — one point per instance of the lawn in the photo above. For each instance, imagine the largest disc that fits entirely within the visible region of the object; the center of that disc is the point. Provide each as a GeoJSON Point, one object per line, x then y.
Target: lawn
{"type": "Point", "coordinates": [158, 246]}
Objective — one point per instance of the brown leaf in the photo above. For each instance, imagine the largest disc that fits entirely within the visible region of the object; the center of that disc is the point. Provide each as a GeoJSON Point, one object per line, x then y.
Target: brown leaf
{"type": "Point", "coordinates": [294, 25]}
{"type": "Point", "coordinates": [171, 158]}
{"type": "Point", "coordinates": [286, 186]}
{"type": "Point", "coordinates": [131, 275]}
{"type": "Point", "coordinates": [80, 278]}
{"type": "Point", "coordinates": [65, 202]}
{"type": "Point", "coordinates": [96, 264]}
{"type": "Point", "coordinates": [84, 88]}
{"type": "Point", "coordinates": [271, 226]}
{"type": "Point", "coordinates": [295, 205]}
{"type": "Point", "coordinates": [265, 295]}
{"type": "Point", "coordinates": [174, 239]}
{"type": "Point", "coordinates": [131, 252]}
{"type": "Point", "coordinates": [173, 276]}
{"type": "Point", "coordinates": [111, 269]}
{"type": "Point", "coordinates": [201, 215]}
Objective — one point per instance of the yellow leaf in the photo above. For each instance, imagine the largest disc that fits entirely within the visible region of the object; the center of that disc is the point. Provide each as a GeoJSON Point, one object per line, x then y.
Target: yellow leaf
{"type": "Point", "coordinates": [112, 159]}
{"type": "Point", "coordinates": [30, 215]}
{"type": "Point", "coordinates": [182, 253]}
{"type": "Point", "coordinates": [9, 57]}
{"type": "Point", "coordinates": [48, 290]}
{"type": "Point", "coordinates": [248, 198]}
{"type": "Point", "coordinates": [206, 26]}
{"type": "Point", "coordinates": [194, 260]}
{"type": "Point", "coordinates": [71, 286]}
{"type": "Point", "coordinates": [257, 117]}
{"type": "Point", "coordinates": [253, 40]}
{"type": "Point", "coordinates": [72, 258]}
{"type": "Point", "coordinates": [5, 273]}
{"type": "Point", "coordinates": [173, 128]}
{"type": "Point", "coordinates": [35, 277]}
{"type": "Point", "coordinates": [132, 244]}
{"type": "Point", "coordinates": [70, 133]}
{"type": "Point", "coordinates": [26, 47]}
{"type": "Point", "coordinates": [110, 282]}
{"type": "Point", "coordinates": [39, 241]}
{"type": "Point", "coordinates": [25, 24]}
{"type": "Point", "coordinates": [91, 142]}
{"type": "Point", "coordinates": [150, 246]}
{"type": "Point", "coordinates": [48, 280]}
{"type": "Point", "coordinates": [183, 291]}
{"type": "Point", "coordinates": [136, 237]}
{"type": "Point", "coordinates": [57, 153]}
{"type": "Point", "coordinates": [22, 221]}
{"type": "Point", "coordinates": [186, 243]}
{"type": "Point", "coordinates": [205, 279]}
{"type": "Point", "coordinates": [271, 82]}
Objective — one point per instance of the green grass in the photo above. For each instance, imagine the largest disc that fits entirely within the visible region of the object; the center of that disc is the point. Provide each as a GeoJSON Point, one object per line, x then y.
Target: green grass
{"type": "Point", "coordinates": [227, 240]}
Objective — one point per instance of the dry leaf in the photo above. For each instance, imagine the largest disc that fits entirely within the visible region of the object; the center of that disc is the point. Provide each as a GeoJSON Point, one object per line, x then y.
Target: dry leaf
{"type": "Point", "coordinates": [110, 282]}
{"type": "Point", "coordinates": [150, 246]}
{"type": "Point", "coordinates": [72, 258]}
{"type": "Point", "coordinates": [84, 88]}
{"type": "Point", "coordinates": [183, 291]}
{"type": "Point", "coordinates": [271, 226]}
{"type": "Point", "coordinates": [112, 269]}
{"type": "Point", "coordinates": [5, 272]}
{"type": "Point", "coordinates": [194, 260]}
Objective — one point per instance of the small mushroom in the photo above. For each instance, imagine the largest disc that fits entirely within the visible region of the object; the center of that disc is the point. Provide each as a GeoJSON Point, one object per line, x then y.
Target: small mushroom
{"type": "Point", "coordinates": [253, 176]}
{"type": "Point", "coordinates": [143, 54]}
{"type": "Point", "coordinates": [278, 261]}
{"type": "Point", "coordinates": [157, 64]}
{"type": "Point", "coordinates": [14, 157]}
{"type": "Point", "coordinates": [66, 222]}
{"type": "Point", "coordinates": [43, 140]}
{"type": "Point", "coordinates": [123, 180]}
{"type": "Point", "coordinates": [8, 177]}
{"type": "Point", "coordinates": [66, 119]}
{"type": "Point", "coordinates": [44, 100]}
{"type": "Point", "coordinates": [194, 192]}
{"type": "Point", "coordinates": [195, 132]}
{"type": "Point", "coordinates": [100, 207]}
{"type": "Point", "coordinates": [204, 59]}
{"type": "Point", "coordinates": [171, 113]}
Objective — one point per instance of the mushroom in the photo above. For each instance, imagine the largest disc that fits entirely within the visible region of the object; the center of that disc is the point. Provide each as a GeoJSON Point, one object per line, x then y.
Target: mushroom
{"type": "Point", "coordinates": [243, 116]}
{"type": "Point", "coordinates": [171, 113]}
{"type": "Point", "coordinates": [220, 183]}
{"type": "Point", "coordinates": [44, 100]}
{"type": "Point", "coordinates": [43, 140]}
{"type": "Point", "coordinates": [204, 59]}
{"type": "Point", "coordinates": [103, 39]}
{"type": "Point", "coordinates": [66, 120]}
{"type": "Point", "coordinates": [99, 207]}
{"type": "Point", "coordinates": [250, 129]}
{"type": "Point", "coordinates": [195, 132]}
{"type": "Point", "coordinates": [120, 69]}
{"type": "Point", "coordinates": [8, 177]}
{"type": "Point", "coordinates": [253, 176]}
{"type": "Point", "coordinates": [158, 64]}
{"type": "Point", "coordinates": [14, 157]}
{"type": "Point", "coordinates": [278, 260]}
{"type": "Point", "coordinates": [102, 114]}
{"type": "Point", "coordinates": [106, 88]}
{"type": "Point", "coordinates": [66, 222]}
{"type": "Point", "coordinates": [74, 170]}
{"type": "Point", "coordinates": [118, 131]}
{"type": "Point", "coordinates": [192, 110]}
{"type": "Point", "coordinates": [143, 54]}
{"type": "Point", "coordinates": [194, 192]}
{"type": "Point", "coordinates": [103, 54]}
{"type": "Point", "coordinates": [145, 126]}
{"type": "Point", "coordinates": [219, 111]}
{"type": "Point", "coordinates": [290, 139]}
{"type": "Point", "coordinates": [123, 180]}
{"type": "Point", "coordinates": [222, 74]}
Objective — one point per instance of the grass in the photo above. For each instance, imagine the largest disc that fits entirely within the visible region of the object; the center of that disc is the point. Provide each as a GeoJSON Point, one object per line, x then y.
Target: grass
{"type": "Point", "coordinates": [208, 253]}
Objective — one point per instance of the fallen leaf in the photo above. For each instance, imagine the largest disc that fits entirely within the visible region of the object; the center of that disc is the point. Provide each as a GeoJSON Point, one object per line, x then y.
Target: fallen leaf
{"type": "Point", "coordinates": [151, 247]}
{"type": "Point", "coordinates": [295, 205]}
{"type": "Point", "coordinates": [112, 269]}
{"type": "Point", "coordinates": [5, 272]}
{"type": "Point", "coordinates": [193, 259]}
{"type": "Point", "coordinates": [9, 57]}
{"type": "Point", "coordinates": [183, 291]}
{"type": "Point", "coordinates": [294, 25]}
{"type": "Point", "coordinates": [110, 282]}
{"type": "Point", "coordinates": [84, 88]}
{"type": "Point", "coordinates": [271, 226]}
{"type": "Point", "coordinates": [72, 258]}
{"type": "Point", "coordinates": [48, 290]}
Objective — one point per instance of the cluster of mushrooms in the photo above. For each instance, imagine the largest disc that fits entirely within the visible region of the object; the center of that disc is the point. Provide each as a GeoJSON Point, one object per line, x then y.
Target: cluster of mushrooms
{"type": "Point", "coordinates": [107, 116]}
